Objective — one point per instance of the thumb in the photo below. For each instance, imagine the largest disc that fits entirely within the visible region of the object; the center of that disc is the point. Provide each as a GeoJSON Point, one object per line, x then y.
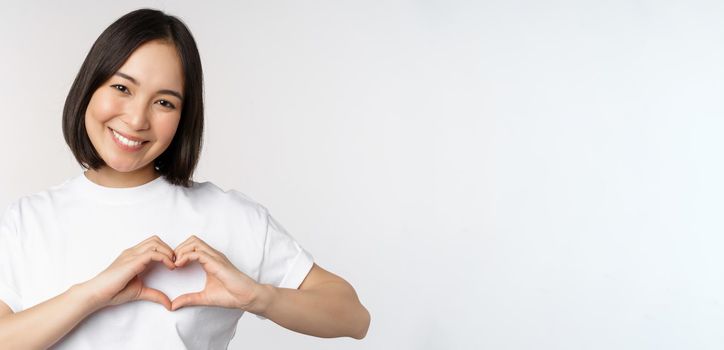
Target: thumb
{"type": "Point", "coordinates": [187, 299]}
{"type": "Point", "coordinates": [155, 296]}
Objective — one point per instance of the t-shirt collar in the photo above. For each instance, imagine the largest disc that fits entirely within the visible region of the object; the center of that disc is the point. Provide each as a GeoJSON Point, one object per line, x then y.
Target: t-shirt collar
{"type": "Point", "coordinates": [121, 195]}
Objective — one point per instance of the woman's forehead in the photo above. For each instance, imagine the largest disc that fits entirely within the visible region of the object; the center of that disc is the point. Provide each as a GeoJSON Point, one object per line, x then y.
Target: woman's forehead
{"type": "Point", "coordinates": [155, 64]}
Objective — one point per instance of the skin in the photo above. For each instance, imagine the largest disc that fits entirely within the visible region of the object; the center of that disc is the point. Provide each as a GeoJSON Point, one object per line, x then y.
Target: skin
{"type": "Point", "coordinates": [136, 109]}
{"type": "Point", "coordinates": [325, 305]}
{"type": "Point", "coordinates": [133, 102]}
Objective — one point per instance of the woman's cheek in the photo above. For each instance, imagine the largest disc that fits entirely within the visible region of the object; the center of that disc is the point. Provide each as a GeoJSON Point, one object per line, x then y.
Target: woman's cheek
{"type": "Point", "coordinates": [105, 107]}
{"type": "Point", "coordinates": [168, 128]}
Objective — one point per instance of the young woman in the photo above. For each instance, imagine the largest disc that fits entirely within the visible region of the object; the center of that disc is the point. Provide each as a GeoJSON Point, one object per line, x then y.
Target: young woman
{"type": "Point", "coordinates": [132, 253]}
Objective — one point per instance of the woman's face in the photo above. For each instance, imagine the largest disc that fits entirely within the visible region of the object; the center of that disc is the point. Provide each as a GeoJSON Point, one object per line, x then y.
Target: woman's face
{"type": "Point", "coordinates": [141, 101]}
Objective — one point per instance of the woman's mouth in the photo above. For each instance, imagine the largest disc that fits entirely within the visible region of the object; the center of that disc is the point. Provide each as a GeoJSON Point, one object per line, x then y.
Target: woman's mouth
{"type": "Point", "coordinates": [124, 143]}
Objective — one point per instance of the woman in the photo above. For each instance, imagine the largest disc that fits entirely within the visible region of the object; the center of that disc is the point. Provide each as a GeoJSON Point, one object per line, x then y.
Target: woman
{"type": "Point", "coordinates": [132, 253]}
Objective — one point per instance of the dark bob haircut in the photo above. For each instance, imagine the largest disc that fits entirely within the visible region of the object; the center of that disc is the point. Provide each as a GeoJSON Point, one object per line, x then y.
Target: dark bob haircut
{"type": "Point", "coordinates": [109, 52]}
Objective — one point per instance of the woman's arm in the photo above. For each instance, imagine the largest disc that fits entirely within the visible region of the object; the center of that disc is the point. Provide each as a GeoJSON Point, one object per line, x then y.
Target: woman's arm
{"type": "Point", "coordinates": [42, 325]}
{"type": "Point", "coordinates": [325, 305]}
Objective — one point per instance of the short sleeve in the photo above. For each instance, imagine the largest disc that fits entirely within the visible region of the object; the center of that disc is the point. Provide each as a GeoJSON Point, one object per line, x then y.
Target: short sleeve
{"type": "Point", "coordinates": [285, 263]}
{"type": "Point", "coordinates": [8, 252]}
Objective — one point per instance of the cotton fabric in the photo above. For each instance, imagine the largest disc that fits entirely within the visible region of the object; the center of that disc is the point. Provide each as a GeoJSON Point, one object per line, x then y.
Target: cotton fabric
{"type": "Point", "coordinates": [69, 233]}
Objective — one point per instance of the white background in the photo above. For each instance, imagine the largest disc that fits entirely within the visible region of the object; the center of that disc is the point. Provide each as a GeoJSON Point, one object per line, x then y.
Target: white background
{"type": "Point", "coordinates": [487, 174]}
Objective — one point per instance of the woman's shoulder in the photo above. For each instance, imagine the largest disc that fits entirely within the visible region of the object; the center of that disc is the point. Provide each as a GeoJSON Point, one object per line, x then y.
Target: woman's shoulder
{"type": "Point", "coordinates": [38, 198]}
{"type": "Point", "coordinates": [213, 194]}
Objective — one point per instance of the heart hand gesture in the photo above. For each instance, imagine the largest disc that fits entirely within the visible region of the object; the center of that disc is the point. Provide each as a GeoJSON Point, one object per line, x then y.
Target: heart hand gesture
{"type": "Point", "coordinates": [119, 283]}
{"type": "Point", "coordinates": [226, 286]}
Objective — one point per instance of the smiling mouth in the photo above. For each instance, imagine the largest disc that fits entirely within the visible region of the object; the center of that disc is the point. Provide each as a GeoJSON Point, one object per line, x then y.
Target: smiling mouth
{"type": "Point", "coordinates": [125, 142]}
{"type": "Point", "coordinates": [129, 138]}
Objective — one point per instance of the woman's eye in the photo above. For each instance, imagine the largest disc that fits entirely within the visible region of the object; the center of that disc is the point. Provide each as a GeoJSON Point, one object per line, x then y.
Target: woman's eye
{"type": "Point", "coordinates": [120, 88]}
{"type": "Point", "coordinates": [124, 90]}
{"type": "Point", "coordinates": [167, 104]}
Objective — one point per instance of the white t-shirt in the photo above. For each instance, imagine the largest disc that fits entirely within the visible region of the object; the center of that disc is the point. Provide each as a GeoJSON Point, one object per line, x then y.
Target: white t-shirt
{"type": "Point", "coordinates": [70, 232]}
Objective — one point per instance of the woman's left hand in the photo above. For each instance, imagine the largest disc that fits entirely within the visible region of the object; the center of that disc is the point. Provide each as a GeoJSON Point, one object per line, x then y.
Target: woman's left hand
{"type": "Point", "coordinates": [226, 286]}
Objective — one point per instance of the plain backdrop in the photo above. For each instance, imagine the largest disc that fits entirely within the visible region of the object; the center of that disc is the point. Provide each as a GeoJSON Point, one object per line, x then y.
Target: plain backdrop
{"type": "Point", "coordinates": [487, 174]}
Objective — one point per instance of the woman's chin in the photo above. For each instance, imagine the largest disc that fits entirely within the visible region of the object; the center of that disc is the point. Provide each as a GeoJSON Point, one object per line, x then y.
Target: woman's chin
{"type": "Point", "coordinates": [123, 167]}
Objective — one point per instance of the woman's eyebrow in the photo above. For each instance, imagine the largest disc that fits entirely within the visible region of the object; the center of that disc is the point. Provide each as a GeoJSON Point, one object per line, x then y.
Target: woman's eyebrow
{"type": "Point", "coordinates": [162, 91]}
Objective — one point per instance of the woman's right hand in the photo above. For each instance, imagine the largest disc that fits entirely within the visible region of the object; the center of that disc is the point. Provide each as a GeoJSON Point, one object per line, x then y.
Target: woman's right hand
{"type": "Point", "coordinates": [119, 283]}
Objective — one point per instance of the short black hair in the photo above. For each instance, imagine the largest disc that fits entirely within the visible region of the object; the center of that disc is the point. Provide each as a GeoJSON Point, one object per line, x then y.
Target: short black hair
{"type": "Point", "coordinates": [106, 56]}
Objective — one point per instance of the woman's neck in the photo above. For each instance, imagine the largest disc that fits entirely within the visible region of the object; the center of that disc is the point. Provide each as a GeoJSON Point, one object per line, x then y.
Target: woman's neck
{"type": "Point", "coordinates": [109, 177]}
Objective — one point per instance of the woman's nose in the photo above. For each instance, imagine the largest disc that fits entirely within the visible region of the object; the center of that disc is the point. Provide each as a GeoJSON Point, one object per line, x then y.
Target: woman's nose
{"type": "Point", "coordinates": [137, 116]}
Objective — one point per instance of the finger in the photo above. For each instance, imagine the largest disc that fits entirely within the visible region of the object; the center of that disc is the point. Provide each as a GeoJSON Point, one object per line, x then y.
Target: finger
{"type": "Point", "coordinates": [148, 239]}
{"type": "Point", "coordinates": [154, 237]}
{"type": "Point", "coordinates": [188, 300]}
{"type": "Point", "coordinates": [197, 245]}
{"type": "Point", "coordinates": [190, 247]}
{"type": "Point", "coordinates": [191, 244]}
{"type": "Point", "coordinates": [155, 240]}
{"type": "Point", "coordinates": [162, 243]}
{"type": "Point", "coordinates": [157, 256]}
{"type": "Point", "coordinates": [155, 296]}
{"type": "Point", "coordinates": [163, 249]}
{"type": "Point", "coordinates": [193, 247]}
{"type": "Point", "coordinates": [187, 241]}
{"type": "Point", "coordinates": [150, 243]}
{"type": "Point", "coordinates": [200, 256]}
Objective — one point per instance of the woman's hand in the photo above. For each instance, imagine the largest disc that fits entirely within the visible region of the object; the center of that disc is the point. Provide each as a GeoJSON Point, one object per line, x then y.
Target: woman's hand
{"type": "Point", "coordinates": [226, 286]}
{"type": "Point", "coordinates": [119, 283]}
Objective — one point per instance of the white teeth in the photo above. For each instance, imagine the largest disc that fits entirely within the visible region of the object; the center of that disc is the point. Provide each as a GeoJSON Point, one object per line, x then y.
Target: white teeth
{"type": "Point", "coordinates": [126, 141]}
